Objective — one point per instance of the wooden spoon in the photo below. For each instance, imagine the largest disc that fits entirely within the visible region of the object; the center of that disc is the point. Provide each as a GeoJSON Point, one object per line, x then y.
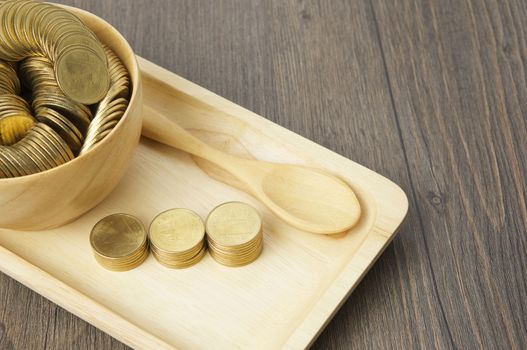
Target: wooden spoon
{"type": "Point", "coordinates": [308, 199]}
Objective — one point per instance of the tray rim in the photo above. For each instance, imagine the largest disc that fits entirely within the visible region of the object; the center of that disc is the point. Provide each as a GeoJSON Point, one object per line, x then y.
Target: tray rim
{"type": "Point", "coordinates": [383, 231]}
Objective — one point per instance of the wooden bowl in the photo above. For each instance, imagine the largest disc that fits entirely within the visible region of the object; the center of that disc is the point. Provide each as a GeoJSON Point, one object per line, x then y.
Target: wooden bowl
{"type": "Point", "coordinates": [60, 195]}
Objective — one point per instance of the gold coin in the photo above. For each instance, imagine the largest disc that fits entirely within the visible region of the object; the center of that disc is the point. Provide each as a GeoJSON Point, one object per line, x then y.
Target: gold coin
{"type": "Point", "coordinates": [177, 238]}
{"type": "Point", "coordinates": [176, 231]}
{"type": "Point", "coordinates": [46, 20]}
{"type": "Point", "coordinates": [125, 260]}
{"type": "Point", "coordinates": [19, 165]}
{"type": "Point", "coordinates": [100, 124]}
{"type": "Point", "coordinates": [112, 107]}
{"type": "Point", "coordinates": [103, 123]}
{"type": "Point", "coordinates": [241, 250]}
{"type": "Point", "coordinates": [6, 165]}
{"type": "Point", "coordinates": [15, 119]}
{"type": "Point", "coordinates": [66, 130]}
{"type": "Point", "coordinates": [8, 50]}
{"type": "Point", "coordinates": [26, 23]}
{"type": "Point", "coordinates": [129, 265]}
{"type": "Point", "coordinates": [4, 171]}
{"type": "Point", "coordinates": [45, 144]}
{"type": "Point", "coordinates": [81, 37]}
{"type": "Point", "coordinates": [25, 148]}
{"type": "Point", "coordinates": [41, 152]}
{"type": "Point", "coordinates": [34, 28]}
{"type": "Point", "coordinates": [3, 174]}
{"type": "Point", "coordinates": [119, 241]}
{"type": "Point", "coordinates": [82, 74]}
{"type": "Point", "coordinates": [14, 127]}
{"type": "Point", "coordinates": [38, 72]}
{"type": "Point", "coordinates": [236, 248]}
{"type": "Point", "coordinates": [73, 111]}
{"type": "Point", "coordinates": [117, 90]}
{"type": "Point", "coordinates": [116, 105]}
{"type": "Point", "coordinates": [234, 234]}
{"type": "Point", "coordinates": [10, 162]}
{"type": "Point", "coordinates": [172, 260]}
{"type": "Point", "coordinates": [54, 30]}
{"type": "Point", "coordinates": [110, 113]}
{"type": "Point", "coordinates": [62, 146]}
{"type": "Point", "coordinates": [233, 263]}
{"type": "Point", "coordinates": [55, 141]}
{"type": "Point", "coordinates": [233, 224]}
{"type": "Point", "coordinates": [49, 41]}
{"type": "Point", "coordinates": [237, 257]}
{"type": "Point", "coordinates": [89, 143]}
{"type": "Point", "coordinates": [20, 18]}
{"type": "Point", "coordinates": [182, 264]}
{"type": "Point", "coordinates": [9, 82]}
{"type": "Point", "coordinates": [179, 259]}
{"type": "Point", "coordinates": [28, 166]}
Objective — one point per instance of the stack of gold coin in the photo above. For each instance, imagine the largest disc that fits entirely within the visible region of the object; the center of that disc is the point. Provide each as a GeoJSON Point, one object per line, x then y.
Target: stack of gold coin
{"type": "Point", "coordinates": [234, 234]}
{"type": "Point", "coordinates": [119, 242]}
{"type": "Point", "coordinates": [113, 105]}
{"type": "Point", "coordinates": [15, 116]}
{"type": "Point", "coordinates": [177, 238]}
{"type": "Point", "coordinates": [34, 28]}
{"type": "Point", "coordinates": [9, 82]}
{"type": "Point", "coordinates": [40, 150]}
{"type": "Point", "coordinates": [15, 119]}
{"type": "Point", "coordinates": [68, 118]}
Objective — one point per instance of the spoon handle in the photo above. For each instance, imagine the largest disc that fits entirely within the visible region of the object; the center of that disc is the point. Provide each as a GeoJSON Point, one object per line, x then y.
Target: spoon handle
{"type": "Point", "coordinates": [162, 129]}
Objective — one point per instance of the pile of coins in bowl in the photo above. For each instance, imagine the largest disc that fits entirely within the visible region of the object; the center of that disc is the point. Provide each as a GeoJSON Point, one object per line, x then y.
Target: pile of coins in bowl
{"type": "Point", "coordinates": [178, 238]}
{"type": "Point", "coordinates": [61, 90]}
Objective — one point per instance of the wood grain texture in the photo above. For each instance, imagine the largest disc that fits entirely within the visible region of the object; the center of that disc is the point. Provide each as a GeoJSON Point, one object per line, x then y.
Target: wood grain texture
{"type": "Point", "coordinates": [431, 94]}
{"type": "Point", "coordinates": [458, 80]}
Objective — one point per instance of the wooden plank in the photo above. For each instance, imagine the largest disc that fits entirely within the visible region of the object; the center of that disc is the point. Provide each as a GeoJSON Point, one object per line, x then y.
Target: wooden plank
{"type": "Point", "coordinates": [457, 71]}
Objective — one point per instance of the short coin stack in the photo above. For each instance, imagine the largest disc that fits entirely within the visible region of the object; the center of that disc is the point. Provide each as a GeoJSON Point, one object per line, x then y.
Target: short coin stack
{"type": "Point", "coordinates": [119, 242]}
{"type": "Point", "coordinates": [234, 234]}
{"type": "Point", "coordinates": [177, 238]}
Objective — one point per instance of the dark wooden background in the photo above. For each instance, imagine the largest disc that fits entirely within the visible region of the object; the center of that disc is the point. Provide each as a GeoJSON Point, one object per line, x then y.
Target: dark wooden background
{"type": "Point", "coordinates": [432, 94]}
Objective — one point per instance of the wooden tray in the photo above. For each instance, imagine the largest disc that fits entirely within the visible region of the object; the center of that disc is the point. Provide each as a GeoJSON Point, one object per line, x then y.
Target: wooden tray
{"type": "Point", "coordinates": [284, 299]}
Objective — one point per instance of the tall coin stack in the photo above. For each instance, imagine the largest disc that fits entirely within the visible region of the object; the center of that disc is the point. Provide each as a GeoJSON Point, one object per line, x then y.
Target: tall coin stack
{"type": "Point", "coordinates": [177, 238]}
{"type": "Point", "coordinates": [61, 90]}
{"type": "Point", "coordinates": [234, 234]}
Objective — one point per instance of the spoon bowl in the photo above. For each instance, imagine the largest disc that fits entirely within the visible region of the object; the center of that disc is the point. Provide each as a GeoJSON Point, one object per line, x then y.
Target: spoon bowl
{"type": "Point", "coordinates": [310, 199]}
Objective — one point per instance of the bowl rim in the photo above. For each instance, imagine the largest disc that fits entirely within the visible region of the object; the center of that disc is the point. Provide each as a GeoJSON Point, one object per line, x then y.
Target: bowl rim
{"type": "Point", "coordinates": [135, 78]}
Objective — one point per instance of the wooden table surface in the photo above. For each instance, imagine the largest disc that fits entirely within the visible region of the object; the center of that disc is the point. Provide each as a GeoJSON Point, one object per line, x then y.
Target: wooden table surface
{"type": "Point", "coordinates": [431, 93]}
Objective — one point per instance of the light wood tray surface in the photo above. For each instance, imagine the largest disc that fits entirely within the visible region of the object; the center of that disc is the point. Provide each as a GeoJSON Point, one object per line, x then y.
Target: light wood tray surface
{"type": "Point", "coordinates": [284, 299]}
